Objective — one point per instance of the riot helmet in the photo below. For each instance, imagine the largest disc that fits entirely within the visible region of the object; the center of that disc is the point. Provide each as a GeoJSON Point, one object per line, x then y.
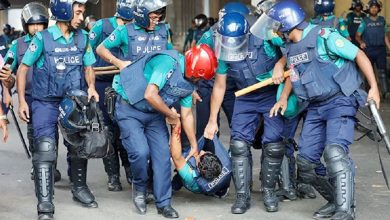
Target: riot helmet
{"type": "Point", "coordinates": [324, 7]}
{"type": "Point", "coordinates": [262, 6]}
{"type": "Point", "coordinates": [372, 3]}
{"type": "Point", "coordinates": [124, 9]}
{"type": "Point", "coordinates": [34, 13]}
{"type": "Point", "coordinates": [143, 8]}
{"type": "Point", "coordinates": [355, 4]}
{"type": "Point", "coordinates": [232, 35]}
{"type": "Point", "coordinates": [201, 21]}
{"type": "Point", "coordinates": [234, 7]}
{"type": "Point", "coordinates": [200, 62]}
{"type": "Point", "coordinates": [63, 10]}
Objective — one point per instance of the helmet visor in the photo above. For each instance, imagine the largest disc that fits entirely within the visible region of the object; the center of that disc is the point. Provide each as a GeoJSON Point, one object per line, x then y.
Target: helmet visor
{"type": "Point", "coordinates": [265, 27]}
{"type": "Point", "coordinates": [231, 48]}
{"type": "Point", "coordinates": [35, 13]}
{"type": "Point", "coordinates": [263, 6]}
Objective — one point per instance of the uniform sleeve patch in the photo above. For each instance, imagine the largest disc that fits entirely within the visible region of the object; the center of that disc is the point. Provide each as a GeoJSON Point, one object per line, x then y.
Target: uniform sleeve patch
{"type": "Point", "coordinates": [340, 43]}
{"type": "Point", "coordinates": [92, 35]}
{"type": "Point", "coordinates": [112, 37]}
{"type": "Point", "coordinates": [33, 47]}
{"type": "Point", "coordinates": [322, 32]}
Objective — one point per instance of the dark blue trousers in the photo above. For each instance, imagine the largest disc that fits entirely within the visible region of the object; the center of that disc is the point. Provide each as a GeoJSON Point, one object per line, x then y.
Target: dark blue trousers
{"type": "Point", "coordinates": [145, 137]}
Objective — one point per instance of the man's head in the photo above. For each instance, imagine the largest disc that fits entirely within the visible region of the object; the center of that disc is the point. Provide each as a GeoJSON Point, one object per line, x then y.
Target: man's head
{"type": "Point", "coordinates": [34, 17]}
{"type": "Point", "coordinates": [7, 29]}
{"type": "Point", "coordinates": [324, 7]}
{"type": "Point", "coordinates": [374, 7]}
{"type": "Point", "coordinates": [209, 166]}
{"type": "Point", "coordinates": [200, 63]}
{"type": "Point", "coordinates": [71, 11]}
{"type": "Point", "coordinates": [284, 18]}
{"type": "Point", "coordinates": [148, 13]}
{"type": "Point", "coordinates": [124, 10]}
{"type": "Point", "coordinates": [356, 6]}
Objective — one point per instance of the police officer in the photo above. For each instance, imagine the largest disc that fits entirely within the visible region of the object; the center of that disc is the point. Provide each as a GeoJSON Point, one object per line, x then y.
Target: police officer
{"type": "Point", "coordinates": [146, 90]}
{"type": "Point", "coordinates": [372, 38]}
{"type": "Point", "coordinates": [145, 35]}
{"type": "Point", "coordinates": [250, 60]}
{"type": "Point", "coordinates": [209, 172]}
{"type": "Point", "coordinates": [61, 58]}
{"type": "Point", "coordinates": [354, 19]}
{"type": "Point", "coordinates": [205, 88]}
{"type": "Point", "coordinates": [326, 18]}
{"type": "Point", "coordinates": [100, 31]}
{"type": "Point", "coordinates": [5, 39]}
{"type": "Point", "coordinates": [326, 80]}
{"type": "Point", "coordinates": [201, 24]}
{"type": "Point", "coordinates": [35, 18]}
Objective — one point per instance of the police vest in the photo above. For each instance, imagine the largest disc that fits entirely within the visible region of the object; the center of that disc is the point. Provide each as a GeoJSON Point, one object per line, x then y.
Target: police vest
{"type": "Point", "coordinates": [3, 45]}
{"type": "Point", "coordinates": [134, 83]}
{"type": "Point", "coordinates": [317, 79]}
{"type": "Point", "coordinates": [141, 42]}
{"type": "Point", "coordinates": [62, 69]}
{"type": "Point", "coordinates": [330, 23]}
{"type": "Point", "coordinates": [223, 180]}
{"type": "Point", "coordinates": [257, 62]}
{"type": "Point", "coordinates": [374, 35]}
{"type": "Point", "coordinates": [22, 47]}
{"type": "Point", "coordinates": [354, 22]}
{"type": "Point", "coordinates": [100, 62]}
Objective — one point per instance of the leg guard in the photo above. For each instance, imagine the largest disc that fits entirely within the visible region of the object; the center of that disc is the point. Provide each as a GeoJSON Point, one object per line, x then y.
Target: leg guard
{"type": "Point", "coordinates": [240, 152]}
{"type": "Point", "coordinates": [111, 166]}
{"type": "Point", "coordinates": [44, 157]}
{"type": "Point", "coordinates": [307, 175]}
{"type": "Point", "coordinates": [286, 188]}
{"type": "Point", "coordinates": [80, 190]}
{"type": "Point", "coordinates": [339, 168]}
{"type": "Point", "coordinates": [270, 170]}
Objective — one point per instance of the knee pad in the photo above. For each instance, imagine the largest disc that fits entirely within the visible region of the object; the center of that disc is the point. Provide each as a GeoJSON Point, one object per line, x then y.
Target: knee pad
{"type": "Point", "coordinates": [239, 148]}
{"type": "Point", "coordinates": [337, 160]}
{"type": "Point", "coordinates": [44, 150]}
{"type": "Point", "coordinates": [275, 150]}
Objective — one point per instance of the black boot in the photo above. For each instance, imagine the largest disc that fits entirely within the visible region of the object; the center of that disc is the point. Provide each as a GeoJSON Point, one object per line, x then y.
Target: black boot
{"type": "Point", "coordinates": [270, 170]}
{"type": "Point", "coordinates": [383, 83]}
{"type": "Point", "coordinates": [339, 167]}
{"type": "Point", "coordinates": [111, 165]}
{"type": "Point", "coordinates": [139, 200]}
{"type": "Point", "coordinates": [286, 189]}
{"type": "Point", "coordinates": [43, 165]}
{"type": "Point", "coordinates": [168, 212]}
{"type": "Point", "coordinates": [305, 191]}
{"type": "Point", "coordinates": [80, 190]}
{"type": "Point", "coordinates": [241, 175]}
{"type": "Point", "coordinates": [308, 175]}
{"type": "Point", "coordinates": [44, 190]}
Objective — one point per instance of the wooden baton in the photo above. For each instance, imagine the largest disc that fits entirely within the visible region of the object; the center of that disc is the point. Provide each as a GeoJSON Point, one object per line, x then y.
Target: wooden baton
{"type": "Point", "coordinates": [258, 85]}
{"type": "Point", "coordinates": [107, 72]}
{"type": "Point", "coordinates": [103, 68]}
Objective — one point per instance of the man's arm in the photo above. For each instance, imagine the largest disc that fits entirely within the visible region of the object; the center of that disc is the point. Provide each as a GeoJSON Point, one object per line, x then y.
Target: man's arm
{"type": "Point", "coordinates": [114, 40]}
{"type": "Point", "coordinates": [176, 147]}
{"type": "Point", "coordinates": [3, 126]}
{"type": "Point", "coordinates": [188, 121]}
{"type": "Point", "coordinates": [21, 78]}
{"type": "Point", "coordinates": [90, 79]}
{"type": "Point", "coordinates": [215, 104]}
{"type": "Point", "coordinates": [367, 70]}
{"type": "Point", "coordinates": [155, 100]}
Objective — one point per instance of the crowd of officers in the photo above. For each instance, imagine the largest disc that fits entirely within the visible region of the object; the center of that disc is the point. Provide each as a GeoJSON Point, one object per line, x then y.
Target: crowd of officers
{"type": "Point", "coordinates": [156, 86]}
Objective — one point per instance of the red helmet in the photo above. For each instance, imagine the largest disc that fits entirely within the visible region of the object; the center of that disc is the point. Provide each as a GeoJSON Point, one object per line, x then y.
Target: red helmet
{"type": "Point", "coordinates": [200, 62]}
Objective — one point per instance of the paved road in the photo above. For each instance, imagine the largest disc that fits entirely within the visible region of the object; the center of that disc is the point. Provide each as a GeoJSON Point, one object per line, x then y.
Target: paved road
{"type": "Point", "coordinates": [18, 201]}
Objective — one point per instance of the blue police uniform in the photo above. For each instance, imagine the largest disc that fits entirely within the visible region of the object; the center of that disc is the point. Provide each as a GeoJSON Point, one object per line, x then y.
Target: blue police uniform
{"type": "Point", "coordinates": [100, 31]}
{"type": "Point", "coordinates": [143, 130]}
{"type": "Point", "coordinates": [248, 109]}
{"type": "Point", "coordinates": [328, 82]}
{"type": "Point", "coordinates": [58, 66]}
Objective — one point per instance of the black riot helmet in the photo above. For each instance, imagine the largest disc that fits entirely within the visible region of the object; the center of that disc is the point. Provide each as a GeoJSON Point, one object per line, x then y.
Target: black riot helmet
{"type": "Point", "coordinates": [201, 21]}
{"type": "Point", "coordinates": [34, 13]}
